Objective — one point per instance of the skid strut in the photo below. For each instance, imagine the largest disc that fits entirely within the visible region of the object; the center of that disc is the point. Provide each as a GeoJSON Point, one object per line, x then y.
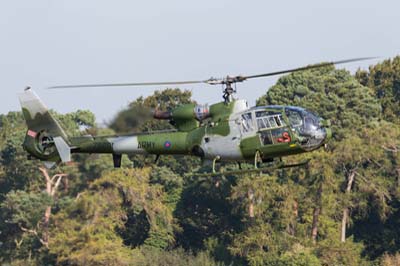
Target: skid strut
{"type": "Point", "coordinates": [217, 158]}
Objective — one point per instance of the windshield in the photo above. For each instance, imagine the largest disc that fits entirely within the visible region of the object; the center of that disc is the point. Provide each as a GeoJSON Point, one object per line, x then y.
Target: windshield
{"type": "Point", "coordinates": [307, 126]}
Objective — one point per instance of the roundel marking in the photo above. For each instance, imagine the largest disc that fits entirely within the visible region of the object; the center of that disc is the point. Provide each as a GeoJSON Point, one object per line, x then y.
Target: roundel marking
{"type": "Point", "coordinates": [167, 144]}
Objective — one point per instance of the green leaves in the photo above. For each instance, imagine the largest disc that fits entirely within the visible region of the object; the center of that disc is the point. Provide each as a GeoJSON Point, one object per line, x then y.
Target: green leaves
{"type": "Point", "coordinates": [99, 225]}
{"type": "Point", "coordinates": [25, 209]}
{"type": "Point", "coordinates": [384, 79]}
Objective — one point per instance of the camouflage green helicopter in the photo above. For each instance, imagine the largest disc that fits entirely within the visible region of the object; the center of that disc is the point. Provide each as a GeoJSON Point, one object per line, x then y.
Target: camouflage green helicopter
{"type": "Point", "coordinates": [226, 131]}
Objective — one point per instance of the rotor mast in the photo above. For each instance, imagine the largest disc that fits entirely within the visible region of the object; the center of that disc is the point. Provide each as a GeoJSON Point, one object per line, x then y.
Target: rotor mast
{"type": "Point", "coordinates": [228, 88]}
{"type": "Point", "coordinates": [228, 92]}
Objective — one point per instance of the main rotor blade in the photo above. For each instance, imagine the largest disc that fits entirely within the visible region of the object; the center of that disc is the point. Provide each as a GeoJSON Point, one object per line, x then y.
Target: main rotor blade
{"type": "Point", "coordinates": [212, 81]}
{"type": "Point", "coordinates": [128, 84]}
{"type": "Point", "coordinates": [306, 67]}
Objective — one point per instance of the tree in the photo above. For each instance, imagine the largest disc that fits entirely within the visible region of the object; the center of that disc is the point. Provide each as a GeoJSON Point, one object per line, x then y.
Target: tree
{"type": "Point", "coordinates": [343, 208]}
{"type": "Point", "coordinates": [26, 191]}
{"type": "Point", "coordinates": [91, 230]}
{"type": "Point", "coordinates": [335, 95]}
{"type": "Point", "coordinates": [204, 211]}
{"type": "Point", "coordinates": [384, 79]}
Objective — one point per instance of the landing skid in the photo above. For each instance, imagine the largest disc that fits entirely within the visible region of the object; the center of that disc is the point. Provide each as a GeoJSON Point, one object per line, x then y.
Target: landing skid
{"type": "Point", "coordinates": [252, 170]}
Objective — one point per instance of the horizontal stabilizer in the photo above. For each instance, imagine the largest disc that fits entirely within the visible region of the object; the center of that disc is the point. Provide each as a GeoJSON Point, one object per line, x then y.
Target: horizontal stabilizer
{"type": "Point", "coordinates": [63, 149]}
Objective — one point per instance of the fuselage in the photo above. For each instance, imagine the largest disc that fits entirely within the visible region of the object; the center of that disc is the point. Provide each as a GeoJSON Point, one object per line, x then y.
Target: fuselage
{"type": "Point", "coordinates": [229, 131]}
{"type": "Point", "coordinates": [235, 135]}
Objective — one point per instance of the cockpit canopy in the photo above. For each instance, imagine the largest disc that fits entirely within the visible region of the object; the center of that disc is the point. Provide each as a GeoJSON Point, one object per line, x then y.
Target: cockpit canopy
{"type": "Point", "coordinates": [307, 126]}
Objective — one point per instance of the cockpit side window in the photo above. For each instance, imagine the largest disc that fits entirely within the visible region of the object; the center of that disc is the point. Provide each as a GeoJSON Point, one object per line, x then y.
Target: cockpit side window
{"type": "Point", "coordinates": [247, 122]}
{"type": "Point", "coordinates": [269, 119]}
{"type": "Point", "coordinates": [260, 123]}
{"type": "Point", "coordinates": [272, 121]}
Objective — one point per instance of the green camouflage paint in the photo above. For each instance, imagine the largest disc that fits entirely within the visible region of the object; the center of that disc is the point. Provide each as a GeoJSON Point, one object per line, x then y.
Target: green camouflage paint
{"type": "Point", "coordinates": [217, 135]}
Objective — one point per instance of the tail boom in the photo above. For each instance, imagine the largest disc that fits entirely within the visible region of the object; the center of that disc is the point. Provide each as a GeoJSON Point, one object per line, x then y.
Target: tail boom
{"type": "Point", "coordinates": [161, 143]}
{"type": "Point", "coordinates": [46, 140]}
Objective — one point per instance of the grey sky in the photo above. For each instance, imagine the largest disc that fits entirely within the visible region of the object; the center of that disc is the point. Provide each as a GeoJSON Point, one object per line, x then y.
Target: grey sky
{"type": "Point", "coordinates": [44, 43]}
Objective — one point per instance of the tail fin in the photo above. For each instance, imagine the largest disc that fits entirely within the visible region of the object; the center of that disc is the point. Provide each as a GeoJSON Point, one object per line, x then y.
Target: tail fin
{"type": "Point", "coordinates": [45, 138]}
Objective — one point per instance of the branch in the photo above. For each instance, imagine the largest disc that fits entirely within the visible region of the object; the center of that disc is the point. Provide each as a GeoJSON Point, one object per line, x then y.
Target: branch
{"type": "Point", "coordinates": [350, 181]}
{"type": "Point", "coordinates": [31, 231]}
{"type": "Point", "coordinates": [45, 173]}
{"type": "Point", "coordinates": [48, 180]}
{"type": "Point", "coordinates": [79, 196]}
{"type": "Point", "coordinates": [375, 162]}
{"type": "Point", "coordinates": [35, 233]}
{"type": "Point", "coordinates": [393, 148]}
{"type": "Point", "coordinates": [18, 243]}
{"type": "Point", "coordinates": [52, 179]}
{"type": "Point", "coordinates": [57, 175]}
{"type": "Point", "coordinates": [54, 189]}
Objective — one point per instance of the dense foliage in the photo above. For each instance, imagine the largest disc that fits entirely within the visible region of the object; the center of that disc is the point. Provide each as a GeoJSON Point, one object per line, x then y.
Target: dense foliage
{"type": "Point", "coordinates": [343, 209]}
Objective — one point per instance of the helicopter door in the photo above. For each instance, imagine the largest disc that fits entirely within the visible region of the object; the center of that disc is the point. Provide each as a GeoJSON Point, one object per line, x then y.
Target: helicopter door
{"type": "Point", "coordinates": [272, 128]}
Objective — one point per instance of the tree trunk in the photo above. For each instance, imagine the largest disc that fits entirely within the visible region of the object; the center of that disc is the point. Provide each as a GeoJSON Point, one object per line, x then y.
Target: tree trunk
{"type": "Point", "coordinates": [345, 217]}
{"type": "Point", "coordinates": [314, 230]}
{"type": "Point", "coordinates": [46, 221]}
{"type": "Point", "coordinates": [250, 196]}
{"type": "Point", "coordinates": [66, 185]}
{"type": "Point", "coordinates": [295, 209]}
{"type": "Point", "coordinates": [51, 189]}
{"type": "Point", "coordinates": [316, 213]}
{"type": "Point", "coordinates": [291, 228]}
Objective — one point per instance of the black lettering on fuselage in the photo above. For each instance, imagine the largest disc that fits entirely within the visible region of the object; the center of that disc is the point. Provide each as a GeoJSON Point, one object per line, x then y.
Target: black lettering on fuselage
{"type": "Point", "coordinates": [146, 145]}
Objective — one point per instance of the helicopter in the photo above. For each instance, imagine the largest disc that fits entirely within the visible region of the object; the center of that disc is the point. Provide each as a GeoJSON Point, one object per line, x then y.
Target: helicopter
{"type": "Point", "coordinates": [228, 131]}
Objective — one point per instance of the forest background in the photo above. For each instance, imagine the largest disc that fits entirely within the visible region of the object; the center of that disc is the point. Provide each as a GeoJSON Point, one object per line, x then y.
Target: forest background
{"type": "Point", "coordinates": [343, 209]}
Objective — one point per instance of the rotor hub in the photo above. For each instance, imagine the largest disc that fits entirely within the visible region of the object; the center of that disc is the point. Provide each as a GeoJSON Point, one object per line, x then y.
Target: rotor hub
{"type": "Point", "coordinates": [228, 92]}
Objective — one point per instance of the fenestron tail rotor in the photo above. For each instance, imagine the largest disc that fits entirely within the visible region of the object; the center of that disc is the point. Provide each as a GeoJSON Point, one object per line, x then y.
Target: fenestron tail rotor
{"type": "Point", "coordinates": [227, 81]}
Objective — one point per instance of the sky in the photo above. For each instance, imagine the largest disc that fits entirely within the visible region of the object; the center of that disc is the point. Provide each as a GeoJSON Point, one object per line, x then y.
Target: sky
{"type": "Point", "coordinates": [46, 42]}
